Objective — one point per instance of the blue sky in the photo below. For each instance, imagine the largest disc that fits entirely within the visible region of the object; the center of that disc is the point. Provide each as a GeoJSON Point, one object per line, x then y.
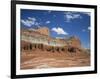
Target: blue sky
{"type": "Point", "coordinates": [61, 23]}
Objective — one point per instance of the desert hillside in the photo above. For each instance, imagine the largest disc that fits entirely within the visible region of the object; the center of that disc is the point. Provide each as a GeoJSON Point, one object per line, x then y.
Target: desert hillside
{"type": "Point", "coordinates": [39, 50]}
{"type": "Point", "coordinates": [45, 59]}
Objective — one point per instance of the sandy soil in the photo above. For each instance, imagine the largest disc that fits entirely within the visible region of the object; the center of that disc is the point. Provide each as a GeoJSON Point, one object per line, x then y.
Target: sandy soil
{"type": "Point", "coordinates": [43, 59]}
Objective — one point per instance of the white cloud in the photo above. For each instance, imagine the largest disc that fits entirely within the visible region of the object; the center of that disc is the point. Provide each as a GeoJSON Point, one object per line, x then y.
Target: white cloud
{"type": "Point", "coordinates": [54, 15]}
{"type": "Point", "coordinates": [71, 15]}
{"type": "Point", "coordinates": [59, 30]}
{"type": "Point", "coordinates": [30, 21]}
{"type": "Point", "coordinates": [27, 23]}
{"type": "Point", "coordinates": [47, 22]}
{"type": "Point", "coordinates": [83, 30]}
{"type": "Point", "coordinates": [87, 13]}
{"type": "Point", "coordinates": [89, 28]}
{"type": "Point", "coordinates": [86, 30]}
{"type": "Point", "coordinates": [49, 11]}
{"type": "Point", "coordinates": [36, 23]}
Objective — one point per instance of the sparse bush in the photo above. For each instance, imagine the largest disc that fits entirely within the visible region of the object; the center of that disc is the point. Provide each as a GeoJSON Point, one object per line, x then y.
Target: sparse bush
{"type": "Point", "coordinates": [71, 49]}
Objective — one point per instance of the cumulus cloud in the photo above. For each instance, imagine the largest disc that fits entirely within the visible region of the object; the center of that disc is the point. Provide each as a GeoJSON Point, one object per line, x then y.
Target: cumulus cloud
{"type": "Point", "coordinates": [89, 28]}
{"type": "Point", "coordinates": [47, 22]}
{"type": "Point", "coordinates": [54, 15]}
{"type": "Point", "coordinates": [71, 16]}
{"type": "Point", "coordinates": [49, 11]}
{"type": "Point", "coordinates": [30, 21]}
{"type": "Point", "coordinates": [87, 13]}
{"type": "Point", "coordinates": [59, 31]}
{"type": "Point", "coordinates": [83, 30]}
{"type": "Point", "coordinates": [86, 30]}
{"type": "Point", "coordinates": [26, 22]}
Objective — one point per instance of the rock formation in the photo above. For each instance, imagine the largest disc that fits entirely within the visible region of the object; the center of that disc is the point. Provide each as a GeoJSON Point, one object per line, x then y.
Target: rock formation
{"type": "Point", "coordinates": [40, 50]}
{"type": "Point", "coordinates": [40, 39]}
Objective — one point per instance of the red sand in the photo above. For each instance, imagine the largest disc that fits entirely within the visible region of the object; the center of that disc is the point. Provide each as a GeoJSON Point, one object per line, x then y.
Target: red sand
{"type": "Point", "coordinates": [43, 59]}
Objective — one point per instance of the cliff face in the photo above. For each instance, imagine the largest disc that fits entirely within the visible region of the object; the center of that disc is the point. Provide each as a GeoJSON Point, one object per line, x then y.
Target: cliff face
{"type": "Point", "coordinates": [42, 36]}
{"type": "Point", "coordinates": [74, 42]}
{"type": "Point", "coordinates": [40, 50]}
{"type": "Point", "coordinates": [43, 30]}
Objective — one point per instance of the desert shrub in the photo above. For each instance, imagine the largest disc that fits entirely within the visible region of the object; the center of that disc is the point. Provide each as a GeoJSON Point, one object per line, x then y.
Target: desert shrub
{"type": "Point", "coordinates": [30, 46]}
{"type": "Point", "coordinates": [72, 49]}
{"type": "Point", "coordinates": [57, 49]}
{"type": "Point", "coordinates": [62, 49]}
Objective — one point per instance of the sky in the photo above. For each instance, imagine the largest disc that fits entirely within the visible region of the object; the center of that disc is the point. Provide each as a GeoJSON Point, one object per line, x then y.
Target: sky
{"type": "Point", "coordinates": [61, 23]}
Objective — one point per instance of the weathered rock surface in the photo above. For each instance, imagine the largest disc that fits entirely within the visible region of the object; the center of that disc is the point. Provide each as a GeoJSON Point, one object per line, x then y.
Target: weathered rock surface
{"type": "Point", "coordinates": [42, 55]}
